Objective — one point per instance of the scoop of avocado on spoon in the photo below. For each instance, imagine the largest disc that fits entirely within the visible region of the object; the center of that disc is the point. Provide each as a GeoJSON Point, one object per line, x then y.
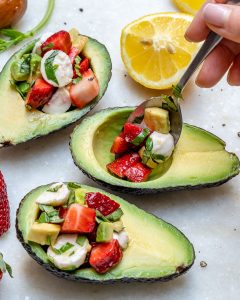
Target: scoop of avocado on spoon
{"type": "Point", "coordinates": [171, 103]}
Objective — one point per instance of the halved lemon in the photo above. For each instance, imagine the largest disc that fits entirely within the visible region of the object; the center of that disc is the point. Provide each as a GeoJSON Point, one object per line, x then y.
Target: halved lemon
{"type": "Point", "coordinates": [189, 6]}
{"type": "Point", "coordinates": [154, 49]}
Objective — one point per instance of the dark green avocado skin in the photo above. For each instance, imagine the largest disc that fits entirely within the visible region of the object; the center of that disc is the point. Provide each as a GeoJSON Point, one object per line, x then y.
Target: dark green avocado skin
{"type": "Point", "coordinates": [71, 277]}
{"type": "Point", "coordinates": [144, 191]}
{"type": "Point", "coordinates": [89, 107]}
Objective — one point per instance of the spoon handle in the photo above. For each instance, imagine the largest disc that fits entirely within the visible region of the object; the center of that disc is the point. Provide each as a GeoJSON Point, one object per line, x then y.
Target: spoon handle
{"type": "Point", "coordinates": [210, 43]}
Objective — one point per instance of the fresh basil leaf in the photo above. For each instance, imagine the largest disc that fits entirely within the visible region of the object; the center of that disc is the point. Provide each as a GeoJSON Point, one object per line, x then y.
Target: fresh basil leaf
{"type": "Point", "coordinates": [43, 218]}
{"type": "Point", "coordinates": [146, 156]}
{"type": "Point", "coordinates": [177, 91]}
{"type": "Point", "coordinates": [157, 157]}
{"type": "Point", "coordinates": [22, 88]}
{"type": "Point", "coordinates": [81, 240]}
{"type": "Point", "coordinates": [48, 47]}
{"type": "Point", "coordinates": [63, 249]}
{"type": "Point", "coordinates": [9, 270]}
{"type": "Point", "coordinates": [141, 137]}
{"type": "Point", "coordinates": [76, 80]}
{"type": "Point", "coordinates": [49, 68]}
{"type": "Point", "coordinates": [169, 103]}
{"type": "Point", "coordinates": [71, 198]}
{"type": "Point", "coordinates": [54, 189]}
{"type": "Point", "coordinates": [77, 60]}
{"type": "Point", "coordinates": [149, 144]}
{"type": "Point", "coordinates": [73, 185]}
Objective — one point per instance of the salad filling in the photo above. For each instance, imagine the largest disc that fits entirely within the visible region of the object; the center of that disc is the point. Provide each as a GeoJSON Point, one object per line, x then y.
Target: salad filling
{"type": "Point", "coordinates": [142, 145]}
{"type": "Point", "coordinates": [77, 228]}
{"type": "Point", "coordinates": [55, 77]}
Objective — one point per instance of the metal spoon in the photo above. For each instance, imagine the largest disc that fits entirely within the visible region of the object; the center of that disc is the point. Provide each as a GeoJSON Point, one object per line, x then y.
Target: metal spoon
{"type": "Point", "coordinates": [173, 106]}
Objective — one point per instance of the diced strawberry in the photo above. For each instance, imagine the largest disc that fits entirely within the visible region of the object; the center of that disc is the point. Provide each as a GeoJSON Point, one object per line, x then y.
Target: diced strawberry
{"type": "Point", "coordinates": [60, 40]}
{"type": "Point", "coordinates": [85, 90]}
{"type": "Point", "coordinates": [40, 93]}
{"type": "Point", "coordinates": [131, 131]}
{"type": "Point", "coordinates": [73, 54]}
{"type": "Point", "coordinates": [105, 256]}
{"type": "Point", "coordinates": [83, 67]}
{"type": "Point", "coordinates": [138, 172]}
{"type": "Point", "coordinates": [101, 202]}
{"type": "Point", "coordinates": [63, 212]}
{"type": "Point", "coordinates": [4, 208]}
{"type": "Point", "coordinates": [79, 219]}
{"type": "Point", "coordinates": [92, 235]}
{"type": "Point", "coordinates": [121, 164]}
{"type": "Point", "coordinates": [120, 145]}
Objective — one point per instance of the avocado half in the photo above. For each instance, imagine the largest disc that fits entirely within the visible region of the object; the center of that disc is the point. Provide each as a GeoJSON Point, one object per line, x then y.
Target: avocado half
{"type": "Point", "coordinates": [20, 125]}
{"type": "Point", "coordinates": [199, 160]}
{"type": "Point", "coordinates": [157, 251]}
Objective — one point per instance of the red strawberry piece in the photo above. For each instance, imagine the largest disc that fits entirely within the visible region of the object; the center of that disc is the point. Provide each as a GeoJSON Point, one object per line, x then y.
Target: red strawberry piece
{"type": "Point", "coordinates": [138, 173]}
{"type": "Point", "coordinates": [60, 40]}
{"type": "Point", "coordinates": [131, 131]}
{"type": "Point", "coordinates": [105, 256]}
{"type": "Point", "coordinates": [121, 164]}
{"type": "Point", "coordinates": [82, 67]}
{"type": "Point", "coordinates": [63, 212]}
{"type": "Point", "coordinates": [120, 145]}
{"type": "Point", "coordinates": [92, 235]}
{"type": "Point", "coordinates": [73, 54]}
{"type": "Point", "coordinates": [4, 207]}
{"type": "Point", "coordinates": [79, 219]}
{"type": "Point", "coordinates": [102, 203]}
{"type": "Point", "coordinates": [40, 93]}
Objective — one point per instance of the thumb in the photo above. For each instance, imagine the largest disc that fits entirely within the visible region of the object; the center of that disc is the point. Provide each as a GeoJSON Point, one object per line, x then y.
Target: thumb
{"type": "Point", "coordinates": [224, 20]}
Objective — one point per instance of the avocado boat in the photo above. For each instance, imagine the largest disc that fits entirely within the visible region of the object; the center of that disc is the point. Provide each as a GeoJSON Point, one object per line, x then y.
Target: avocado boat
{"type": "Point", "coordinates": [21, 125]}
{"type": "Point", "coordinates": [166, 254]}
{"type": "Point", "coordinates": [199, 159]}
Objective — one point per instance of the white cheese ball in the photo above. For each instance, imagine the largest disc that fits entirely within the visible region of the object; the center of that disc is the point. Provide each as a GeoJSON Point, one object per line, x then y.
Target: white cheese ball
{"type": "Point", "coordinates": [122, 238]}
{"type": "Point", "coordinates": [59, 103]}
{"type": "Point", "coordinates": [43, 38]}
{"type": "Point", "coordinates": [163, 144]}
{"type": "Point", "coordinates": [74, 257]}
{"type": "Point", "coordinates": [63, 71]}
{"type": "Point", "coordinates": [58, 198]}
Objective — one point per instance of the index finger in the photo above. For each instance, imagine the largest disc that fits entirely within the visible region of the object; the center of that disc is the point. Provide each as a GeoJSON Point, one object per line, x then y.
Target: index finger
{"type": "Point", "coordinates": [198, 30]}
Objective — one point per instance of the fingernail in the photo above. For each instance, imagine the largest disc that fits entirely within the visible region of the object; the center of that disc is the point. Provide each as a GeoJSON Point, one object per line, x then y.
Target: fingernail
{"type": "Point", "coordinates": [216, 14]}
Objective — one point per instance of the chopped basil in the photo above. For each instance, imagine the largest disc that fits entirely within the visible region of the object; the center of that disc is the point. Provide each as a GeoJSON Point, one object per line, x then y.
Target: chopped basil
{"type": "Point", "coordinates": [81, 240]}
{"type": "Point", "coordinates": [71, 198]}
{"type": "Point", "coordinates": [48, 46]}
{"type": "Point", "coordinates": [141, 137]}
{"type": "Point", "coordinates": [73, 185]}
{"type": "Point", "coordinates": [146, 156]}
{"type": "Point", "coordinates": [149, 144]}
{"type": "Point", "coordinates": [55, 188]}
{"type": "Point", "coordinates": [177, 91]}
{"type": "Point", "coordinates": [77, 60]}
{"type": "Point", "coordinates": [76, 80]}
{"type": "Point", "coordinates": [157, 157]}
{"type": "Point", "coordinates": [49, 215]}
{"type": "Point", "coordinates": [48, 240]}
{"type": "Point", "coordinates": [49, 67]}
{"type": "Point", "coordinates": [63, 249]}
{"type": "Point", "coordinates": [4, 266]}
{"type": "Point", "coordinates": [43, 218]}
{"type": "Point", "coordinates": [21, 87]}
{"type": "Point", "coordinates": [169, 103]}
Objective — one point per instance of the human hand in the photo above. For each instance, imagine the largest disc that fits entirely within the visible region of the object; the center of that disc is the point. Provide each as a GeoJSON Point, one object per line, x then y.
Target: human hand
{"type": "Point", "coordinates": [223, 19]}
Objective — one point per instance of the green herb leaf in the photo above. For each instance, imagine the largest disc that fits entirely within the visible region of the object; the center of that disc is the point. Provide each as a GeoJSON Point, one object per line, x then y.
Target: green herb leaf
{"type": "Point", "coordinates": [4, 266]}
{"type": "Point", "coordinates": [71, 198]}
{"type": "Point", "coordinates": [49, 67]}
{"type": "Point", "coordinates": [81, 240]}
{"type": "Point", "coordinates": [146, 156]}
{"type": "Point", "coordinates": [63, 249]}
{"type": "Point", "coordinates": [22, 88]}
{"type": "Point", "coordinates": [141, 137]}
{"type": "Point", "coordinates": [73, 185]}
{"type": "Point", "coordinates": [48, 46]}
{"type": "Point", "coordinates": [48, 240]}
{"type": "Point", "coordinates": [177, 91]}
{"type": "Point", "coordinates": [76, 80]}
{"type": "Point", "coordinates": [54, 189]}
{"type": "Point", "coordinates": [169, 103]}
{"type": "Point", "coordinates": [43, 218]}
{"type": "Point", "coordinates": [9, 270]}
{"type": "Point", "coordinates": [158, 157]}
{"type": "Point", "coordinates": [49, 215]}
{"type": "Point", "coordinates": [149, 144]}
{"type": "Point", "coordinates": [77, 60]}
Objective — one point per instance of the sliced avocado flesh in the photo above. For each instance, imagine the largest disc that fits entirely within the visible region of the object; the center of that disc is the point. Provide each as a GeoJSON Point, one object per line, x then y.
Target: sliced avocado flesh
{"type": "Point", "coordinates": [20, 125]}
{"type": "Point", "coordinates": [199, 160]}
{"type": "Point", "coordinates": [157, 250]}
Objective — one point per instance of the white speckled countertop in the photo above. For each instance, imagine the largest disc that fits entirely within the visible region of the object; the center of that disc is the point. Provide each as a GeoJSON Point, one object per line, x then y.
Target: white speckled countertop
{"type": "Point", "coordinates": [210, 218]}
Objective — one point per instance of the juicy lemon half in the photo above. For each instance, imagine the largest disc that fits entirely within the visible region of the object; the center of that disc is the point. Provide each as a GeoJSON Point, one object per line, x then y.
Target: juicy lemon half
{"type": "Point", "coordinates": [189, 6]}
{"type": "Point", "coordinates": [154, 50]}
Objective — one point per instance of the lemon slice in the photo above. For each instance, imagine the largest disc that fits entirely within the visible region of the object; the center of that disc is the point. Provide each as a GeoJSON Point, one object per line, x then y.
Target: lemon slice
{"type": "Point", "coordinates": [189, 6]}
{"type": "Point", "coordinates": [155, 51]}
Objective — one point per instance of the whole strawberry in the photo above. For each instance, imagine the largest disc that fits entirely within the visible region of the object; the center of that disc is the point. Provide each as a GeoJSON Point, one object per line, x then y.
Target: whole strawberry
{"type": "Point", "coordinates": [4, 267]}
{"type": "Point", "coordinates": [4, 207]}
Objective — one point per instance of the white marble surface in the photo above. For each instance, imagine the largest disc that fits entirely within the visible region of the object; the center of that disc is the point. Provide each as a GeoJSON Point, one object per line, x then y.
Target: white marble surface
{"type": "Point", "coordinates": [210, 218]}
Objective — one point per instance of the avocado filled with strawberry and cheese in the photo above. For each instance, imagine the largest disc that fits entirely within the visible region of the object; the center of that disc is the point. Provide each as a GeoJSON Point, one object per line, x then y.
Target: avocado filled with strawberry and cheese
{"type": "Point", "coordinates": [142, 145]}
{"type": "Point", "coordinates": [55, 77]}
{"type": "Point", "coordinates": [85, 234]}
{"type": "Point", "coordinates": [76, 228]}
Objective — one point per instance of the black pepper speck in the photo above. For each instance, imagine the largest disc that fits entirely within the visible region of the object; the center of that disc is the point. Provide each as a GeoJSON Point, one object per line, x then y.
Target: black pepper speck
{"type": "Point", "coordinates": [81, 9]}
{"type": "Point", "coordinates": [203, 264]}
{"type": "Point", "coordinates": [223, 125]}
{"type": "Point", "coordinates": [238, 134]}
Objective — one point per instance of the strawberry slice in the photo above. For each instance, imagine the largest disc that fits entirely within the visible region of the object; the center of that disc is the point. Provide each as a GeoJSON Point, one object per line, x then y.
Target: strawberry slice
{"type": "Point", "coordinates": [131, 131]}
{"type": "Point", "coordinates": [120, 145]}
{"type": "Point", "coordinates": [73, 54]}
{"type": "Point", "coordinates": [4, 207]}
{"type": "Point", "coordinates": [79, 219]}
{"type": "Point", "coordinates": [122, 164]}
{"type": "Point", "coordinates": [101, 202]}
{"type": "Point", "coordinates": [63, 212]}
{"type": "Point", "coordinates": [83, 67]}
{"type": "Point", "coordinates": [138, 172]}
{"type": "Point", "coordinates": [40, 93]}
{"type": "Point", "coordinates": [105, 256]}
{"type": "Point", "coordinates": [60, 40]}
{"type": "Point", "coordinates": [85, 90]}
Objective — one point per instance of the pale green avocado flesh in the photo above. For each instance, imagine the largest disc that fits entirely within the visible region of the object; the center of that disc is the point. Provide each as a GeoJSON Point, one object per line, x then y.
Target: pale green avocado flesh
{"type": "Point", "coordinates": [157, 250]}
{"type": "Point", "coordinates": [19, 125]}
{"type": "Point", "coordinates": [199, 160]}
